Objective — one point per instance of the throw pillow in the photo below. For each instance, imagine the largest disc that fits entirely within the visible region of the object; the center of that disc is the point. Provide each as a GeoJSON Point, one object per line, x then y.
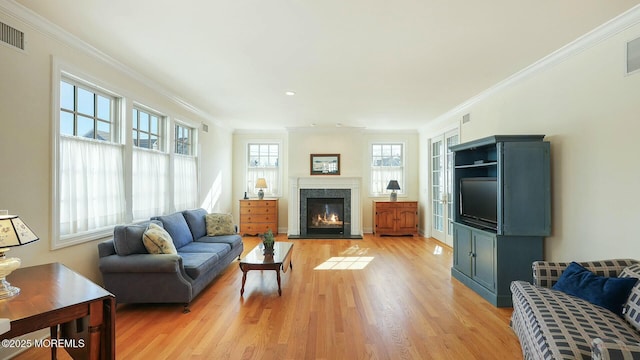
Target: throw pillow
{"type": "Point", "coordinates": [631, 309]}
{"type": "Point", "coordinates": [610, 293]}
{"type": "Point", "coordinates": [158, 241]}
{"type": "Point", "coordinates": [220, 224]}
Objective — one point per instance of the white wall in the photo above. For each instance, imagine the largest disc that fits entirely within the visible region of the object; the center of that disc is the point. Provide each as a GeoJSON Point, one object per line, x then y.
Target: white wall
{"type": "Point", "coordinates": [590, 112]}
{"type": "Point", "coordinates": [26, 138]}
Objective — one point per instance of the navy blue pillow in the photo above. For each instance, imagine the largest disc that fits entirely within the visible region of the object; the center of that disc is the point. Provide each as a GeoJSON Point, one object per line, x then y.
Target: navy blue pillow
{"type": "Point", "coordinates": [609, 292]}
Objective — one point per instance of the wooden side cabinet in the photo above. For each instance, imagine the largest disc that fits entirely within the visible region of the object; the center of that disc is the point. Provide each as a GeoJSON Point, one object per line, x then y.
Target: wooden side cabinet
{"type": "Point", "coordinates": [395, 217]}
{"type": "Point", "coordinates": [258, 216]}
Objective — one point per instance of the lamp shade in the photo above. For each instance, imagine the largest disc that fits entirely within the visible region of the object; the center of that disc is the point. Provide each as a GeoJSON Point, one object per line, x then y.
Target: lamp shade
{"type": "Point", "coordinates": [393, 185]}
{"type": "Point", "coordinates": [14, 232]}
{"type": "Point", "coordinates": [261, 183]}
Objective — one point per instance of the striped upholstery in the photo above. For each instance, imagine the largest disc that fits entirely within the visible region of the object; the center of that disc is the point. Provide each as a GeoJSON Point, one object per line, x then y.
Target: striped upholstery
{"type": "Point", "coordinates": [553, 325]}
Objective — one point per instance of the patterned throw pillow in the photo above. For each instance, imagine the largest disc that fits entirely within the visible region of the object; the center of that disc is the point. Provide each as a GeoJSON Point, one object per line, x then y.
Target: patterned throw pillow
{"type": "Point", "coordinates": [220, 224]}
{"type": "Point", "coordinates": [158, 241]}
{"type": "Point", "coordinates": [631, 309]}
{"type": "Point", "coordinates": [609, 292]}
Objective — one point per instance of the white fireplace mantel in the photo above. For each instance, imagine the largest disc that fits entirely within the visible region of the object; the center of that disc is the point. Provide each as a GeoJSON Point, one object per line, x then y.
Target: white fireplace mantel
{"type": "Point", "coordinates": [324, 182]}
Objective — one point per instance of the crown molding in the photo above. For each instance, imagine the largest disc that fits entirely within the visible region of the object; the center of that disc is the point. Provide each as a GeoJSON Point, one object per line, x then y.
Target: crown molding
{"type": "Point", "coordinates": [49, 29]}
{"type": "Point", "coordinates": [603, 32]}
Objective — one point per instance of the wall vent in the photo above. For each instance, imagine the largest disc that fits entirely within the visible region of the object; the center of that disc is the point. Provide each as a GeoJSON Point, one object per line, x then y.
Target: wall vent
{"type": "Point", "coordinates": [205, 127]}
{"type": "Point", "coordinates": [466, 118]}
{"type": "Point", "coordinates": [633, 56]}
{"type": "Point", "coordinates": [11, 36]}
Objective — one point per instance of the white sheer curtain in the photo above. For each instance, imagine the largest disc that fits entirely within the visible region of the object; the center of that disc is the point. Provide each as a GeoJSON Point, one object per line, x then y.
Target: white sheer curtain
{"type": "Point", "coordinates": [270, 174]}
{"type": "Point", "coordinates": [380, 177]}
{"type": "Point", "coordinates": [91, 185]}
{"type": "Point", "coordinates": [150, 195]}
{"type": "Point", "coordinates": [185, 175]}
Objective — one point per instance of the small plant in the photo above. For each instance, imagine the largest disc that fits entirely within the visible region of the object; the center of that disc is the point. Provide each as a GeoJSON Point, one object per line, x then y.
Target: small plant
{"type": "Point", "coordinates": [268, 240]}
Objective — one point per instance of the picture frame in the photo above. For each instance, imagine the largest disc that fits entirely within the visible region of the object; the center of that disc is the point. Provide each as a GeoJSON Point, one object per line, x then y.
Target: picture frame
{"type": "Point", "coordinates": [325, 164]}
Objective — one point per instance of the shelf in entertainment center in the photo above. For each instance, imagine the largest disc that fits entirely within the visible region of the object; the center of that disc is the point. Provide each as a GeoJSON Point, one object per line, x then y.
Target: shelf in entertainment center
{"type": "Point", "coordinates": [492, 163]}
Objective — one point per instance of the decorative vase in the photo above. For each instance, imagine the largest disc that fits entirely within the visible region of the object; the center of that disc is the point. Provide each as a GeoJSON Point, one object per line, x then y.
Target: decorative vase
{"type": "Point", "coordinates": [268, 248]}
{"type": "Point", "coordinates": [260, 194]}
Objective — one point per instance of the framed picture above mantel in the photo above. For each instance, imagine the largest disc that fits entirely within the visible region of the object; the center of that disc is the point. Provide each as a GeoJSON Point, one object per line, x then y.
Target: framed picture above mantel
{"type": "Point", "coordinates": [325, 164]}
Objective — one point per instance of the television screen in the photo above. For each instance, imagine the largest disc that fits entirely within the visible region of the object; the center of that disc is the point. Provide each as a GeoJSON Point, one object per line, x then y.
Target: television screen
{"type": "Point", "coordinates": [479, 199]}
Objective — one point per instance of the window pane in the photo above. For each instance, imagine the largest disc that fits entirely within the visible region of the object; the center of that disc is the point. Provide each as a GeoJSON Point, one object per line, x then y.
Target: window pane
{"type": "Point", "coordinates": [153, 142]}
{"type": "Point", "coordinates": [144, 140]}
{"type": "Point", "coordinates": [85, 102]}
{"type": "Point", "coordinates": [154, 125]}
{"type": "Point", "coordinates": [104, 131]}
{"type": "Point", "coordinates": [134, 136]}
{"type": "Point", "coordinates": [104, 108]}
{"type": "Point", "coordinates": [66, 96]}
{"type": "Point", "coordinates": [66, 123]}
{"type": "Point", "coordinates": [144, 121]}
{"type": "Point", "coordinates": [85, 127]}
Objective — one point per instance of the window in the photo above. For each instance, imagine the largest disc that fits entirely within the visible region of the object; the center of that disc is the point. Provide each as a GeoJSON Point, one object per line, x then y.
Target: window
{"type": "Point", "coordinates": [150, 166]}
{"type": "Point", "coordinates": [102, 177]}
{"type": "Point", "coordinates": [146, 130]}
{"type": "Point", "coordinates": [263, 161]}
{"type": "Point", "coordinates": [91, 193]}
{"type": "Point", "coordinates": [387, 163]}
{"type": "Point", "coordinates": [183, 140]}
{"type": "Point", "coordinates": [85, 112]}
{"type": "Point", "coordinates": [185, 169]}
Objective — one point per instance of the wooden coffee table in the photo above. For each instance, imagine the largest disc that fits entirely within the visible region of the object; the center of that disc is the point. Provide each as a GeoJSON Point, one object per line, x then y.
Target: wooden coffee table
{"type": "Point", "coordinates": [255, 260]}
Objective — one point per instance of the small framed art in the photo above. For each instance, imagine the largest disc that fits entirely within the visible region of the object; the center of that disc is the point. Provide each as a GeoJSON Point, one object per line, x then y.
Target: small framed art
{"type": "Point", "coordinates": [325, 164]}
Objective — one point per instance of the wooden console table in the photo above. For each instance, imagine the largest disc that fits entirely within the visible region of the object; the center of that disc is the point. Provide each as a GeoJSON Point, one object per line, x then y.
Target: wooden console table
{"type": "Point", "coordinates": [51, 295]}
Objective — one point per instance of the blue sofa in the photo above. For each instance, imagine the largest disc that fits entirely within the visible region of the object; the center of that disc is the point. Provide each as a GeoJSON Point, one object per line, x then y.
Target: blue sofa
{"type": "Point", "coordinates": [135, 276]}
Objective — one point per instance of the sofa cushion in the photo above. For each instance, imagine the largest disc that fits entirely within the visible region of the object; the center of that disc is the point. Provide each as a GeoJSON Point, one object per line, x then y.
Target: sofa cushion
{"type": "Point", "coordinates": [195, 220]}
{"type": "Point", "coordinates": [177, 227]}
{"type": "Point", "coordinates": [201, 247]}
{"type": "Point", "coordinates": [563, 325]}
{"type": "Point", "coordinates": [127, 239]}
{"type": "Point", "coordinates": [198, 263]}
{"type": "Point", "coordinates": [158, 241]}
{"type": "Point", "coordinates": [233, 240]}
{"type": "Point", "coordinates": [219, 224]}
{"type": "Point", "coordinates": [631, 310]}
{"type": "Point", "coordinates": [608, 292]}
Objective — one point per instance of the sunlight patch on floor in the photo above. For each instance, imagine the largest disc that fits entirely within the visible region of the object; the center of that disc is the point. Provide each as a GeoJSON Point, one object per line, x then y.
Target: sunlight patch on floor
{"type": "Point", "coordinates": [345, 263]}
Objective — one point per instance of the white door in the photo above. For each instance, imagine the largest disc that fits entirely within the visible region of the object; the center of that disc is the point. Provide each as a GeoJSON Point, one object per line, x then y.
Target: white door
{"type": "Point", "coordinates": [442, 186]}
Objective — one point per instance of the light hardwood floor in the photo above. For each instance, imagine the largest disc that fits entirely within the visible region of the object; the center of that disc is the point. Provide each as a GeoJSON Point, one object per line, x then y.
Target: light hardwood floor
{"type": "Point", "coordinates": [402, 305]}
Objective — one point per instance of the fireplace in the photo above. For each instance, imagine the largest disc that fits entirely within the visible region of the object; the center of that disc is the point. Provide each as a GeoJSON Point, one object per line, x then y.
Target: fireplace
{"type": "Point", "coordinates": [325, 212]}
{"type": "Point", "coordinates": [325, 216]}
{"type": "Point", "coordinates": [305, 189]}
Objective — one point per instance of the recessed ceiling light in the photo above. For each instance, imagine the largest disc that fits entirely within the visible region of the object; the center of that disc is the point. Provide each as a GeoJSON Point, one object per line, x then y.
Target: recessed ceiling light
{"type": "Point", "coordinates": [289, 93]}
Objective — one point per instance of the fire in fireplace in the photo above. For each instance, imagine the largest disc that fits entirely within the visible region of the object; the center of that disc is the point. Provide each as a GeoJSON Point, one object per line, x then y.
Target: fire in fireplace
{"type": "Point", "coordinates": [325, 215]}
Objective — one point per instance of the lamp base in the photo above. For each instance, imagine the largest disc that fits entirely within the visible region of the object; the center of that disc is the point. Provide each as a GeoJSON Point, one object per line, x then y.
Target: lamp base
{"type": "Point", "coordinates": [7, 290]}
{"type": "Point", "coordinates": [7, 265]}
{"type": "Point", "coordinates": [393, 196]}
{"type": "Point", "coordinates": [260, 194]}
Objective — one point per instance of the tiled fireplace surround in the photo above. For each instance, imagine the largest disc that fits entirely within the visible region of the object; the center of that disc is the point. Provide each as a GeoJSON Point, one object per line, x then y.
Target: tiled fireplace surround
{"type": "Point", "coordinates": [324, 186]}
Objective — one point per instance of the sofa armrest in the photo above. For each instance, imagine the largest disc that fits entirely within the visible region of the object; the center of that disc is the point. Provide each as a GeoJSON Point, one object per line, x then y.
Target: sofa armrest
{"type": "Point", "coordinates": [141, 263]}
{"type": "Point", "coordinates": [610, 349]}
{"type": "Point", "coordinates": [547, 273]}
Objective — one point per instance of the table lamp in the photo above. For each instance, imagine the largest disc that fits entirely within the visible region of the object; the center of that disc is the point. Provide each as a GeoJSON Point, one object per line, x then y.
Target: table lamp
{"type": "Point", "coordinates": [261, 183]}
{"type": "Point", "coordinates": [13, 232]}
{"type": "Point", "coordinates": [393, 185]}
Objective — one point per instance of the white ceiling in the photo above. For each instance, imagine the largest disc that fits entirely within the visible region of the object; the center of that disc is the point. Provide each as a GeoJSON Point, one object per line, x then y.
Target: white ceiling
{"type": "Point", "coordinates": [378, 64]}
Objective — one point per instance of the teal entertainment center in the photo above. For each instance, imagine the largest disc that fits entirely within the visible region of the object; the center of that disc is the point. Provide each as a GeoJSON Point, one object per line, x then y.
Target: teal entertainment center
{"type": "Point", "coordinates": [502, 202]}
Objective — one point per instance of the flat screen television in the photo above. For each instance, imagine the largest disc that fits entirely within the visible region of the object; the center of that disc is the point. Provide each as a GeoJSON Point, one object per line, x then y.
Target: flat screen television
{"type": "Point", "coordinates": [479, 201]}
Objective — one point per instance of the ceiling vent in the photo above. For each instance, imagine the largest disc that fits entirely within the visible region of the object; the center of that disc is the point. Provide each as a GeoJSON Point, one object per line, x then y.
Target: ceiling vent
{"type": "Point", "coordinates": [11, 36]}
{"type": "Point", "coordinates": [633, 56]}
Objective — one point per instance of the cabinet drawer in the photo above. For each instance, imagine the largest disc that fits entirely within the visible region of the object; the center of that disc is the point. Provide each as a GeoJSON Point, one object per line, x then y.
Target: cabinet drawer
{"type": "Point", "coordinates": [257, 218]}
{"type": "Point", "coordinates": [396, 204]}
{"type": "Point", "coordinates": [258, 228]}
{"type": "Point", "coordinates": [257, 210]}
{"type": "Point", "coordinates": [258, 203]}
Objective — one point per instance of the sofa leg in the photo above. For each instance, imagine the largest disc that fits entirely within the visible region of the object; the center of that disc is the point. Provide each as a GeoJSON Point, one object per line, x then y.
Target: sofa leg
{"type": "Point", "coordinates": [186, 309]}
